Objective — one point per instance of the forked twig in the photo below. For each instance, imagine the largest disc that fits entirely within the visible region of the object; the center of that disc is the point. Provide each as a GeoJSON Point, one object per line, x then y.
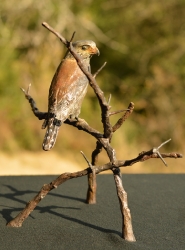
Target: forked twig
{"type": "Point", "coordinates": [37, 113]}
{"type": "Point", "coordinates": [156, 150]}
{"type": "Point", "coordinates": [88, 162]}
{"type": "Point", "coordinates": [26, 92]}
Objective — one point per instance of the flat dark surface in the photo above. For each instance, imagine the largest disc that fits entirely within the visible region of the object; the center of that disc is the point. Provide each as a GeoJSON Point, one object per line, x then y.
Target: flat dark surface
{"type": "Point", "coordinates": [63, 220]}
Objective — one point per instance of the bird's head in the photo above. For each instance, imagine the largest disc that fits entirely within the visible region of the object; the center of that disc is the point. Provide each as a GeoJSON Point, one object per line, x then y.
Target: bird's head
{"type": "Point", "coordinates": [86, 48]}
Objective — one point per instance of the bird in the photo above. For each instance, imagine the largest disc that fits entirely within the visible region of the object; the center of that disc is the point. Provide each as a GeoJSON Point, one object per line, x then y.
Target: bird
{"type": "Point", "coordinates": [67, 90]}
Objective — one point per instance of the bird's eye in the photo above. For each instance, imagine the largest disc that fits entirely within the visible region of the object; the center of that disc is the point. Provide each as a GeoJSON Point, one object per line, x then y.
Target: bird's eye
{"type": "Point", "coordinates": [85, 47]}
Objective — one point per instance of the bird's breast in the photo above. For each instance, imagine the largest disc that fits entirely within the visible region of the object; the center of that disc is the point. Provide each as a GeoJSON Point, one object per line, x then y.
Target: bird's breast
{"type": "Point", "coordinates": [67, 82]}
{"type": "Point", "coordinates": [68, 73]}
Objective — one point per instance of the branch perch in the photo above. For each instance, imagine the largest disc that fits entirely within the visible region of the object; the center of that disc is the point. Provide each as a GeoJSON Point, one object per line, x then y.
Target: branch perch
{"type": "Point", "coordinates": [103, 140]}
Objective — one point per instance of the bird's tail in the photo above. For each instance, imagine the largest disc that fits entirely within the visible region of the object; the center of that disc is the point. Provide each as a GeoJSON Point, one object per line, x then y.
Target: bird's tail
{"type": "Point", "coordinates": [50, 136]}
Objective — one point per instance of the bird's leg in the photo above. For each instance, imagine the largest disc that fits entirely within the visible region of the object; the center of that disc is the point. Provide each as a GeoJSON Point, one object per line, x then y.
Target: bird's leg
{"type": "Point", "coordinates": [57, 122]}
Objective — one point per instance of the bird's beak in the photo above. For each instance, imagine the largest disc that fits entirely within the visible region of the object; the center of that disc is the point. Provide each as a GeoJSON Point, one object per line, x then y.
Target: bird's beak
{"type": "Point", "coordinates": [95, 51]}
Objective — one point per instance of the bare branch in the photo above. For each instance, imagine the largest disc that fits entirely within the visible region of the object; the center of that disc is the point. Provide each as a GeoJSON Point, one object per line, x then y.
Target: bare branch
{"type": "Point", "coordinates": [72, 36]}
{"type": "Point", "coordinates": [110, 96]}
{"type": "Point", "coordinates": [96, 152]}
{"type": "Point", "coordinates": [162, 144]}
{"type": "Point", "coordinates": [98, 71]}
{"type": "Point", "coordinates": [37, 113]}
{"type": "Point", "coordinates": [118, 111]}
{"type": "Point", "coordinates": [80, 123]}
{"type": "Point", "coordinates": [127, 225]}
{"type": "Point", "coordinates": [26, 92]}
{"type": "Point", "coordinates": [19, 219]}
{"type": "Point", "coordinates": [92, 186]}
{"type": "Point", "coordinates": [62, 39]}
{"type": "Point", "coordinates": [156, 150]}
{"type": "Point", "coordinates": [83, 125]}
{"type": "Point", "coordinates": [30, 206]}
{"type": "Point", "coordinates": [127, 231]}
{"type": "Point", "coordinates": [88, 162]}
{"type": "Point", "coordinates": [148, 155]}
{"type": "Point", "coordinates": [124, 117]}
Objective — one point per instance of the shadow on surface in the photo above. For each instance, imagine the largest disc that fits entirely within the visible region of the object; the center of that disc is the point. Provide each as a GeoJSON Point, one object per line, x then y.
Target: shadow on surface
{"type": "Point", "coordinates": [13, 196]}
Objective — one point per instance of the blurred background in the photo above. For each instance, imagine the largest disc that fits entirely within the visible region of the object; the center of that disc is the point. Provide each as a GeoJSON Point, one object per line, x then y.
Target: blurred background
{"type": "Point", "coordinates": [143, 43]}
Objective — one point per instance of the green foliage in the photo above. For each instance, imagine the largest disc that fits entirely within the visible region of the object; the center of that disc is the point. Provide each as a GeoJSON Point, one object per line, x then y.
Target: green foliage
{"type": "Point", "coordinates": [142, 41]}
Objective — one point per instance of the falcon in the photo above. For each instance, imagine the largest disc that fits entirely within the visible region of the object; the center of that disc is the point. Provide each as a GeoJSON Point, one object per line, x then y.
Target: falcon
{"type": "Point", "coordinates": [67, 90]}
